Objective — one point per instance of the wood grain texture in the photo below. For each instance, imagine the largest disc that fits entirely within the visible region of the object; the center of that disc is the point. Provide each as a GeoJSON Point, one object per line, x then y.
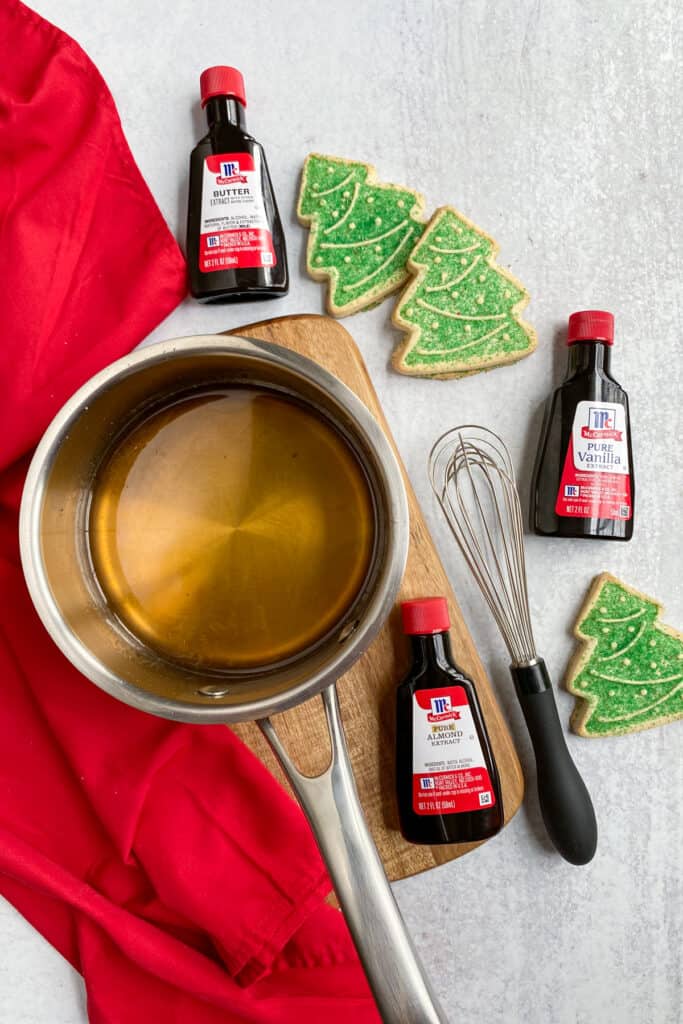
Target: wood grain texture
{"type": "Point", "coordinates": [366, 692]}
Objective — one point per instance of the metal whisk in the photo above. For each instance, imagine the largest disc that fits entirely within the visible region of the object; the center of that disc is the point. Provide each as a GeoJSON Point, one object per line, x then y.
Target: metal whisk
{"type": "Point", "coordinates": [472, 476]}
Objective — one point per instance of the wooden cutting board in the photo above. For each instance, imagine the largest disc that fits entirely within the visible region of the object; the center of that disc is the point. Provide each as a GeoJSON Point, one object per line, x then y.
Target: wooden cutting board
{"type": "Point", "coordinates": [366, 692]}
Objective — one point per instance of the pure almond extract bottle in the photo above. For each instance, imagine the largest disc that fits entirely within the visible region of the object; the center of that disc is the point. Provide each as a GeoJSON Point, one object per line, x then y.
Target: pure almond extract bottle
{"type": "Point", "coordinates": [447, 782]}
{"type": "Point", "coordinates": [583, 481]}
{"type": "Point", "coordinates": [235, 242]}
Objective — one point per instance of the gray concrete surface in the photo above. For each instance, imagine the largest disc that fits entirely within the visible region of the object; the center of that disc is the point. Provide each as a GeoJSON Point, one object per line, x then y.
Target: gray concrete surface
{"type": "Point", "coordinates": [556, 126]}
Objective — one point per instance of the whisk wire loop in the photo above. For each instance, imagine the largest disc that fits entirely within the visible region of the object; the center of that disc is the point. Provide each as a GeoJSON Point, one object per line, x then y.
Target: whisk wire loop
{"type": "Point", "coordinates": [473, 479]}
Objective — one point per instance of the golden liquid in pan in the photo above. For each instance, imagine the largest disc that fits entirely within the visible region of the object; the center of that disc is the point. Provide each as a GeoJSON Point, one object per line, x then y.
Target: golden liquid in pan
{"type": "Point", "coordinates": [231, 529]}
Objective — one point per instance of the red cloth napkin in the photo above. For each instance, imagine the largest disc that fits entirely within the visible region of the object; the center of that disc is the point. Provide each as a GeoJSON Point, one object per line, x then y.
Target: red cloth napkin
{"type": "Point", "coordinates": [162, 860]}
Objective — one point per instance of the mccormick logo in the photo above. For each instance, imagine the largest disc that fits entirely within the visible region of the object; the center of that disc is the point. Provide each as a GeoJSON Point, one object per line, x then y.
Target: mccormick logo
{"type": "Point", "coordinates": [441, 710]}
{"type": "Point", "coordinates": [230, 173]}
{"type": "Point", "coordinates": [600, 425]}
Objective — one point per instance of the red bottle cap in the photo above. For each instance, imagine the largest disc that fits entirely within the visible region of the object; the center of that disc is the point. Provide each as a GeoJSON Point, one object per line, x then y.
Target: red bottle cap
{"type": "Point", "coordinates": [591, 325]}
{"type": "Point", "coordinates": [222, 81]}
{"type": "Point", "coordinates": [425, 615]}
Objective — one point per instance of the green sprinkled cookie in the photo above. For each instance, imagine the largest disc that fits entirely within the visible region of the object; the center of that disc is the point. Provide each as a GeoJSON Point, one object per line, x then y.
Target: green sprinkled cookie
{"type": "Point", "coordinates": [629, 673]}
{"type": "Point", "coordinates": [461, 309]}
{"type": "Point", "coordinates": [361, 231]}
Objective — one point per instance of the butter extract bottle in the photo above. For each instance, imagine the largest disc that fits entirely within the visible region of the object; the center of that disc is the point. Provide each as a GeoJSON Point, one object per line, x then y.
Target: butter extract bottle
{"type": "Point", "coordinates": [447, 782]}
{"type": "Point", "coordinates": [583, 481]}
{"type": "Point", "coordinates": [235, 242]}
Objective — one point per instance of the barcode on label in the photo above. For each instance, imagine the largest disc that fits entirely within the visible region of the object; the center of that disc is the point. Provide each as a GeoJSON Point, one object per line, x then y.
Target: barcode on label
{"type": "Point", "coordinates": [625, 511]}
{"type": "Point", "coordinates": [266, 258]}
{"type": "Point", "coordinates": [484, 799]}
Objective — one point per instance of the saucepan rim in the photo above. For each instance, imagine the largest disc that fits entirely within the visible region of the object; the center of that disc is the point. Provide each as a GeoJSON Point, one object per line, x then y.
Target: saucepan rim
{"type": "Point", "coordinates": [372, 615]}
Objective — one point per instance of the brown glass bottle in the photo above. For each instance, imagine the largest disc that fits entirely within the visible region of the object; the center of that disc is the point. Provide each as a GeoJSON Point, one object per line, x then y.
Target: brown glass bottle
{"type": "Point", "coordinates": [235, 242]}
{"type": "Point", "coordinates": [583, 481]}
{"type": "Point", "coordinates": [447, 782]}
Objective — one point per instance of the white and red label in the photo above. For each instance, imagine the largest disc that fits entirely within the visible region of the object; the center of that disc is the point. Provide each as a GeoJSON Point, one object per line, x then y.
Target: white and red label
{"type": "Point", "coordinates": [449, 770]}
{"type": "Point", "coordinates": [596, 477]}
{"type": "Point", "coordinates": [234, 229]}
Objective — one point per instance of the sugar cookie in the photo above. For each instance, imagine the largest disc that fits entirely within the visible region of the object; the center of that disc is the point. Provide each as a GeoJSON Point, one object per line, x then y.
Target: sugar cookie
{"type": "Point", "coordinates": [628, 674]}
{"type": "Point", "coordinates": [461, 309]}
{"type": "Point", "coordinates": [361, 231]}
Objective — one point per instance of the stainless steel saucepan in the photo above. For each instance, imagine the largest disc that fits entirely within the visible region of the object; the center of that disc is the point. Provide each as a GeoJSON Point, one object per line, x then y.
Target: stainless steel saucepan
{"type": "Point", "coordinates": [60, 577]}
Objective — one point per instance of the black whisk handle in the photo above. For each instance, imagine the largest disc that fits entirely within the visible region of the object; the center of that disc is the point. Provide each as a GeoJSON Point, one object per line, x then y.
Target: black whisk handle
{"type": "Point", "coordinates": [565, 802]}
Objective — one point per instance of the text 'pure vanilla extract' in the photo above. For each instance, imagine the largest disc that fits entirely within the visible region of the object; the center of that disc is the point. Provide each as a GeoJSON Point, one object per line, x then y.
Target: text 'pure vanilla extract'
{"type": "Point", "coordinates": [583, 485]}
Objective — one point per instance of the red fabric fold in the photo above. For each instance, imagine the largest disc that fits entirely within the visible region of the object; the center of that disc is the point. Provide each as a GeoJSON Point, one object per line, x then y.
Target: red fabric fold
{"type": "Point", "coordinates": [162, 860]}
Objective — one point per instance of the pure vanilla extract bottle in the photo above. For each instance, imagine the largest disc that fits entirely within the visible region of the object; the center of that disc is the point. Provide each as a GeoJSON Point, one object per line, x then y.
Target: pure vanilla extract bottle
{"type": "Point", "coordinates": [447, 783]}
{"type": "Point", "coordinates": [235, 242]}
{"type": "Point", "coordinates": [583, 481]}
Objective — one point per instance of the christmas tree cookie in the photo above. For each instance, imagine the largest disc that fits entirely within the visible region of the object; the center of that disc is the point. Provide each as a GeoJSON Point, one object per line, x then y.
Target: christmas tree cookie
{"type": "Point", "coordinates": [461, 310]}
{"type": "Point", "coordinates": [362, 231]}
{"type": "Point", "coordinates": [629, 672]}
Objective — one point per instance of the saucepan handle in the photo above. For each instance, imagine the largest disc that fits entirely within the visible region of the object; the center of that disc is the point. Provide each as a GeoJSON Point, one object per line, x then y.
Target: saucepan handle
{"type": "Point", "coordinates": [330, 801]}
